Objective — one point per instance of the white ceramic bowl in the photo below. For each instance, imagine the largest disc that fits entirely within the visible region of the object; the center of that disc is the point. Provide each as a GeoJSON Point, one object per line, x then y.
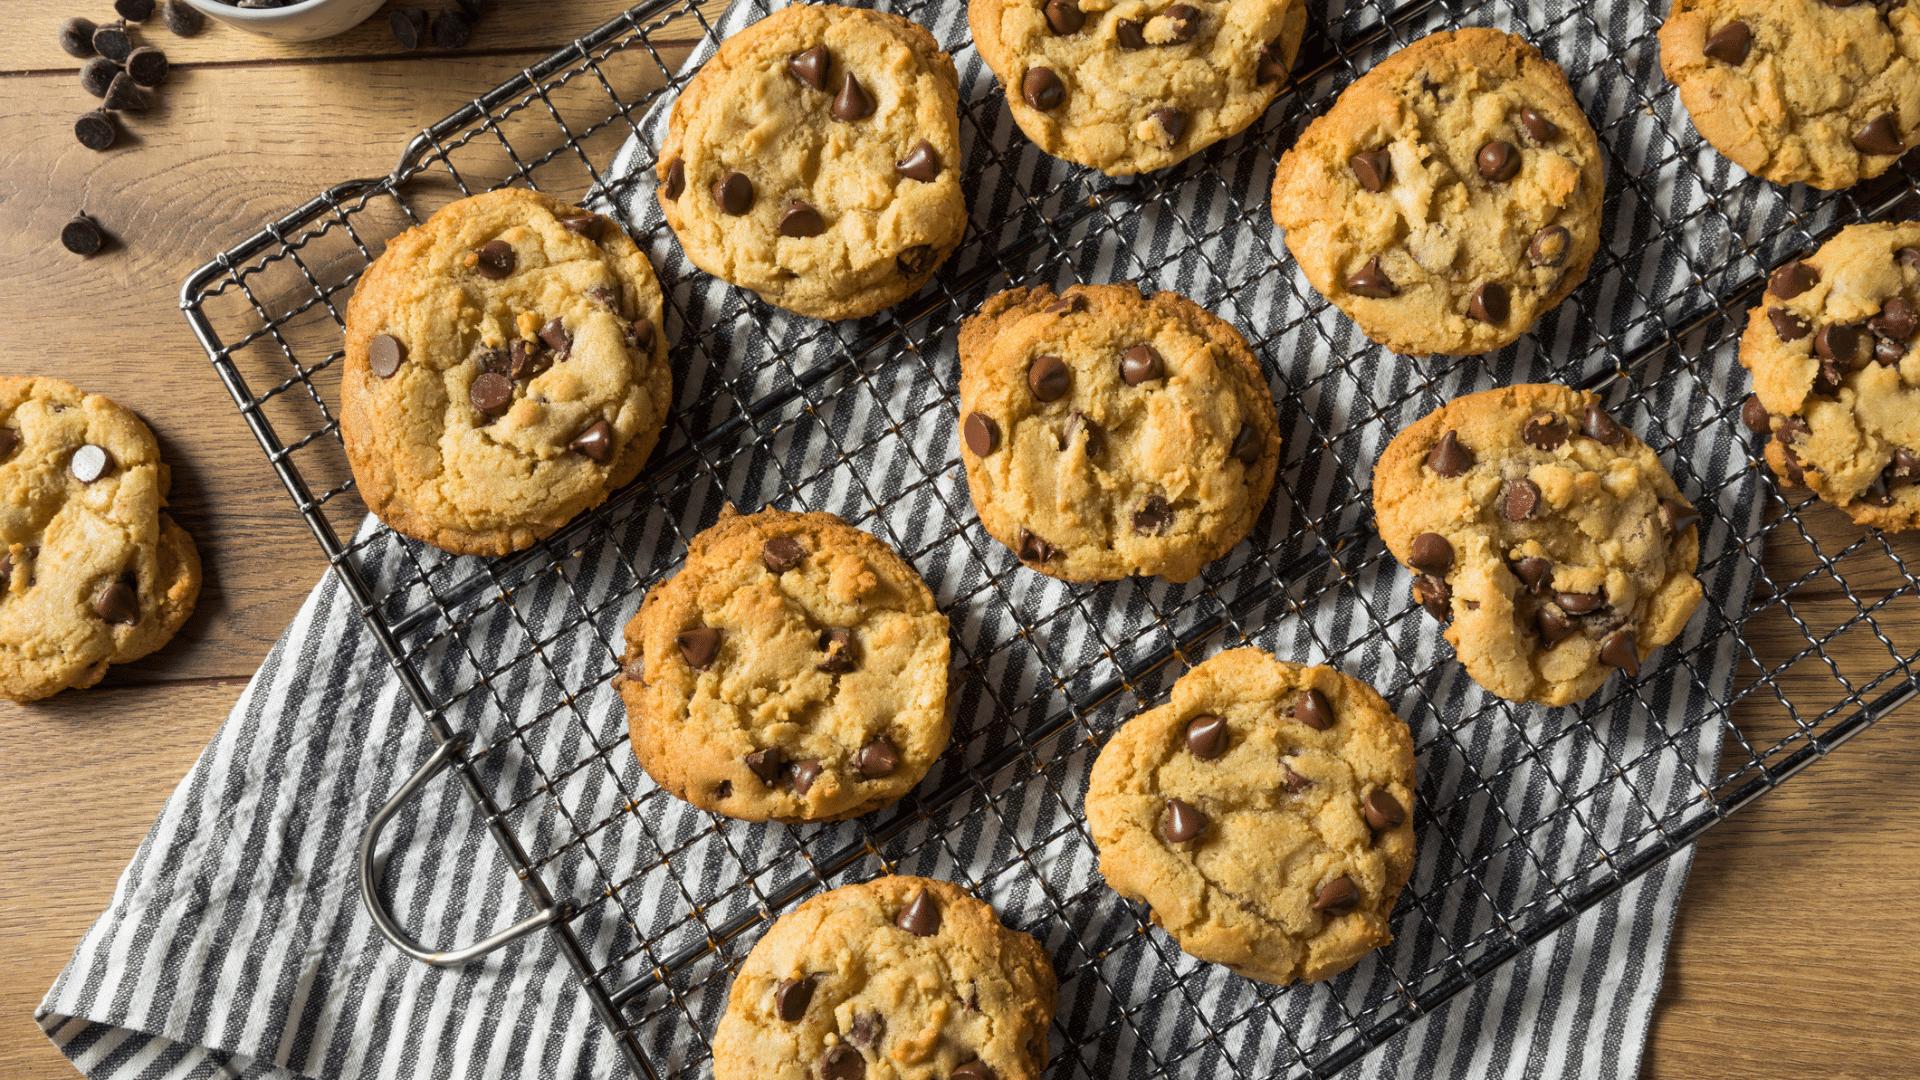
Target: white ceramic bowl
{"type": "Point", "coordinates": [309, 20]}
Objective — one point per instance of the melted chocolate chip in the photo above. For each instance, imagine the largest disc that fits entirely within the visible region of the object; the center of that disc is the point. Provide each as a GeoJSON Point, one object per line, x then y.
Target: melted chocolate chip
{"type": "Point", "coordinates": [810, 66]}
{"type": "Point", "coordinates": [1048, 378]}
{"type": "Point", "coordinates": [921, 916]}
{"type": "Point", "coordinates": [1140, 364]}
{"type": "Point", "coordinates": [1498, 161]}
{"type": "Point", "coordinates": [1043, 89]}
{"type": "Point", "coordinates": [1897, 320]}
{"type": "Point", "coordinates": [1130, 34]}
{"type": "Point", "coordinates": [1183, 24]}
{"type": "Point", "coordinates": [852, 102]}
{"type": "Point", "coordinates": [116, 603]}
{"type": "Point", "coordinates": [1598, 425]}
{"type": "Point", "coordinates": [556, 337]}
{"type": "Point", "coordinates": [1434, 595]}
{"type": "Point", "coordinates": [1207, 736]}
{"type": "Point", "coordinates": [1431, 553]}
{"type": "Point", "coordinates": [802, 774]}
{"type": "Point", "coordinates": [972, 1070]}
{"type": "Point", "coordinates": [1545, 431]}
{"type": "Point", "coordinates": [769, 765]}
{"type": "Point", "coordinates": [1182, 822]}
{"type": "Point", "coordinates": [1314, 710]}
{"type": "Point", "coordinates": [1371, 281]}
{"type": "Point", "coordinates": [1549, 246]}
{"type": "Point", "coordinates": [841, 652]}
{"type": "Point", "coordinates": [1535, 573]}
{"type": "Point", "coordinates": [915, 260]}
{"type": "Point", "coordinates": [1730, 44]}
{"type": "Point", "coordinates": [1034, 549]}
{"type": "Point", "coordinates": [1792, 279]}
{"type": "Point", "coordinates": [1787, 326]}
{"type": "Point", "coordinates": [1840, 343]}
{"type": "Point", "coordinates": [1373, 168]}
{"type": "Point", "coordinates": [1449, 457]}
{"type": "Point", "coordinates": [842, 1062]}
{"type": "Point", "coordinates": [1247, 445]}
{"type": "Point", "coordinates": [676, 181]}
{"type": "Point", "coordinates": [1754, 415]}
{"type": "Point", "coordinates": [733, 193]}
{"type": "Point", "coordinates": [1575, 603]}
{"type": "Point", "coordinates": [1154, 517]}
{"type": "Point", "coordinates": [490, 394]}
{"type": "Point", "coordinates": [1677, 517]}
{"type": "Point", "coordinates": [922, 163]}
{"type": "Point", "coordinates": [1618, 649]}
{"type": "Point", "coordinates": [1519, 499]}
{"type": "Point", "coordinates": [791, 998]}
{"type": "Point", "coordinates": [1172, 123]}
{"type": "Point", "coordinates": [699, 646]}
{"type": "Point", "coordinates": [1081, 426]}
{"type": "Point", "coordinates": [585, 223]}
{"type": "Point", "coordinates": [782, 553]}
{"type": "Point", "coordinates": [595, 443]}
{"type": "Point", "coordinates": [1382, 810]}
{"type": "Point", "coordinates": [1272, 65]}
{"type": "Point", "coordinates": [878, 758]}
{"type": "Point", "coordinates": [1489, 303]}
{"type": "Point", "coordinates": [801, 220]}
{"type": "Point", "coordinates": [495, 260]}
{"type": "Point", "coordinates": [1552, 626]}
{"type": "Point", "coordinates": [640, 333]}
{"type": "Point", "coordinates": [1064, 17]}
{"type": "Point", "coordinates": [1880, 135]}
{"type": "Point", "coordinates": [1336, 897]}
{"type": "Point", "coordinates": [866, 1030]}
{"type": "Point", "coordinates": [1538, 126]}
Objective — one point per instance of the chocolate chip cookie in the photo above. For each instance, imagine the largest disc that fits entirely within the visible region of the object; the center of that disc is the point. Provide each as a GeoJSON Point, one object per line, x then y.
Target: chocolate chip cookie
{"type": "Point", "coordinates": [900, 976]}
{"type": "Point", "coordinates": [92, 570]}
{"type": "Point", "coordinates": [505, 370]}
{"type": "Point", "coordinates": [1544, 534]}
{"type": "Point", "coordinates": [795, 669]}
{"type": "Point", "coordinates": [1451, 196]}
{"type": "Point", "coordinates": [1821, 92]}
{"type": "Point", "coordinates": [1106, 433]}
{"type": "Point", "coordinates": [815, 159]}
{"type": "Point", "coordinates": [1128, 86]}
{"type": "Point", "coordinates": [1265, 814]}
{"type": "Point", "coordinates": [1836, 375]}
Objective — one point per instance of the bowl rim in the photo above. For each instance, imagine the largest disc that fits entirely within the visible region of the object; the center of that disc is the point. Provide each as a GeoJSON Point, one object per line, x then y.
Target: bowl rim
{"type": "Point", "coordinates": [239, 14]}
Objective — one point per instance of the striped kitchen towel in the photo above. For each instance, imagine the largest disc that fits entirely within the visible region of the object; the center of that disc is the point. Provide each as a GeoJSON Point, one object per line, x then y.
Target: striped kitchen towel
{"type": "Point", "coordinates": [236, 944]}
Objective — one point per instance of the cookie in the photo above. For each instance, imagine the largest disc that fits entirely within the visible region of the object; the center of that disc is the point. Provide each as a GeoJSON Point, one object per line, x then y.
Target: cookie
{"type": "Point", "coordinates": [505, 370]}
{"type": "Point", "coordinates": [1107, 434]}
{"type": "Point", "coordinates": [1451, 196]}
{"type": "Point", "coordinates": [1547, 536]}
{"type": "Point", "coordinates": [794, 669]}
{"type": "Point", "coordinates": [1836, 374]}
{"type": "Point", "coordinates": [1820, 92]}
{"type": "Point", "coordinates": [92, 570]}
{"type": "Point", "coordinates": [1264, 814]}
{"type": "Point", "coordinates": [1129, 86]}
{"type": "Point", "coordinates": [815, 159]}
{"type": "Point", "coordinates": [897, 977]}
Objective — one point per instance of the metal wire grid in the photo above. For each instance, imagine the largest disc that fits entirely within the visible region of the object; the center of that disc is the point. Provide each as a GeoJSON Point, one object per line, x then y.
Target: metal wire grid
{"type": "Point", "coordinates": [510, 660]}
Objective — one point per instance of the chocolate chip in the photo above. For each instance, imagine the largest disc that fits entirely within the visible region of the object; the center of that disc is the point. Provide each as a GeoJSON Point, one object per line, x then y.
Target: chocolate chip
{"type": "Point", "coordinates": [914, 261]}
{"type": "Point", "coordinates": [96, 130]}
{"type": "Point", "coordinates": [1552, 626]}
{"type": "Point", "coordinates": [1048, 378]}
{"type": "Point", "coordinates": [82, 235]}
{"type": "Point", "coordinates": [1549, 246]}
{"type": "Point", "coordinates": [811, 66]}
{"type": "Point", "coordinates": [1207, 736]}
{"type": "Point", "coordinates": [1618, 649]}
{"type": "Point", "coordinates": [921, 916]}
{"type": "Point", "coordinates": [1173, 122]}
{"type": "Point", "coordinates": [1154, 517]}
{"type": "Point", "coordinates": [1272, 65]}
{"type": "Point", "coordinates": [1034, 549]}
{"type": "Point", "coordinates": [842, 654]}
{"type": "Point", "coordinates": [557, 337]}
{"type": "Point", "coordinates": [1183, 24]}
{"type": "Point", "coordinates": [124, 95]}
{"type": "Point", "coordinates": [1449, 457]}
{"type": "Point", "coordinates": [1908, 257]}
{"type": "Point", "coordinates": [1790, 465]}
{"type": "Point", "coordinates": [89, 463]}
{"type": "Point", "coordinates": [1519, 499]}
{"type": "Point", "coordinates": [733, 193]}
{"type": "Point", "coordinates": [495, 260]}
{"type": "Point", "coordinates": [1881, 135]}
{"type": "Point", "coordinates": [385, 354]}
{"type": "Point", "coordinates": [1043, 89]}
{"type": "Point", "coordinates": [523, 360]}
{"type": "Point", "coordinates": [1792, 279]}
{"type": "Point", "coordinates": [1904, 468]}
{"type": "Point", "coordinates": [451, 30]}
{"type": "Point", "coordinates": [595, 443]}
{"type": "Point", "coordinates": [1579, 603]}
{"type": "Point", "coordinates": [769, 765]}
{"type": "Point", "coordinates": [76, 37]}
{"type": "Point", "coordinates": [1598, 425]}
{"type": "Point", "coordinates": [1294, 781]}
{"type": "Point", "coordinates": [1545, 431]}
{"type": "Point", "coordinates": [1677, 517]}
{"type": "Point", "coordinates": [867, 1029]}
{"type": "Point", "coordinates": [1431, 553]}
{"type": "Point", "coordinates": [1182, 822]}
{"type": "Point", "coordinates": [1535, 573]}
{"type": "Point", "coordinates": [6, 572]}
{"type": "Point", "coordinates": [1140, 364]}
{"type": "Point", "coordinates": [586, 224]}
{"type": "Point", "coordinates": [1841, 344]}
{"type": "Point", "coordinates": [842, 1062]}
{"type": "Point", "coordinates": [490, 394]}
{"type": "Point", "coordinates": [1489, 303]}
{"type": "Point", "coordinates": [801, 220]}
{"type": "Point", "coordinates": [1337, 897]}
{"type": "Point", "coordinates": [113, 42]}
{"type": "Point", "coordinates": [852, 102]}
{"type": "Point", "coordinates": [9, 442]}
{"type": "Point", "coordinates": [782, 553]}
{"type": "Point", "coordinates": [1787, 326]}
{"type": "Point", "coordinates": [116, 603]}
{"type": "Point", "coordinates": [982, 435]}
{"type": "Point", "coordinates": [1542, 129]}
{"type": "Point", "coordinates": [801, 775]}
{"type": "Point", "coordinates": [605, 296]}
{"type": "Point", "coordinates": [921, 163]}
{"type": "Point", "coordinates": [1497, 161]}
{"type": "Point", "coordinates": [1897, 320]}
{"type": "Point", "coordinates": [640, 334]}
{"type": "Point", "coordinates": [791, 998]}
{"type": "Point", "coordinates": [184, 21]}
{"type": "Point", "coordinates": [408, 25]}
{"type": "Point", "coordinates": [878, 758]}
{"type": "Point", "coordinates": [1064, 17]}
{"type": "Point", "coordinates": [1887, 353]}
{"type": "Point", "coordinates": [1434, 595]}
{"type": "Point", "coordinates": [1130, 34]}
{"type": "Point", "coordinates": [698, 646]}
{"type": "Point", "coordinates": [1314, 710]}
{"type": "Point", "coordinates": [1382, 810]}
{"type": "Point", "coordinates": [1730, 44]}
{"type": "Point", "coordinates": [1754, 415]}
{"type": "Point", "coordinates": [97, 74]}
{"type": "Point", "coordinates": [147, 66]}
{"type": "Point", "coordinates": [1371, 281]}
{"type": "Point", "coordinates": [1877, 492]}
{"type": "Point", "coordinates": [972, 1070]}
{"type": "Point", "coordinates": [1247, 445]}
{"type": "Point", "coordinates": [676, 179]}
{"type": "Point", "coordinates": [1373, 168]}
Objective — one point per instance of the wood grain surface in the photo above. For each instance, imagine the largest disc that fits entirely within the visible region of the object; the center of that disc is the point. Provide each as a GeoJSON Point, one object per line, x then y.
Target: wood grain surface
{"type": "Point", "coordinates": [1796, 950]}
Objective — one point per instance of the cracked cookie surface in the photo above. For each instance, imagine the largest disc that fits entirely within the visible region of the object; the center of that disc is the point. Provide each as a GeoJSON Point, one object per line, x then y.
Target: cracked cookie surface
{"type": "Point", "coordinates": [1264, 813]}
{"type": "Point", "coordinates": [815, 159]}
{"type": "Point", "coordinates": [1127, 86]}
{"type": "Point", "coordinates": [1107, 434]}
{"type": "Point", "coordinates": [1836, 373]}
{"type": "Point", "coordinates": [1450, 198]}
{"type": "Point", "coordinates": [505, 370]}
{"type": "Point", "coordinates": [1544, 534]}
{"type": "Point", "coordinates": [1799, 91]}
{"type": "Point", "coordinates": [93, 572]}
{"type": "Point", "coordinates": [794, 669]}
{"type": "Point", "coordinates": [901, 976]}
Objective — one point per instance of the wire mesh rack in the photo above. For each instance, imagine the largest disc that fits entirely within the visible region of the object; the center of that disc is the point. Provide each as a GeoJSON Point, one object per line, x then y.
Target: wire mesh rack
{"type": "Point", "coordinates": [1527, 817]}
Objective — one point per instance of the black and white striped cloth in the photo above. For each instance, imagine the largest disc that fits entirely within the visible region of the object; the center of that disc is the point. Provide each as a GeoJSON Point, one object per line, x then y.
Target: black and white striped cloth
{"type": "Point", "coordinates": [236, 945]}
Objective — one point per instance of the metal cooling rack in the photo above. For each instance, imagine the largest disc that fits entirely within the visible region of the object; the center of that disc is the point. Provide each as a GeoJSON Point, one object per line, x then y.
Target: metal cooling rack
{"type": "Point", "coordinates": [510, 661]}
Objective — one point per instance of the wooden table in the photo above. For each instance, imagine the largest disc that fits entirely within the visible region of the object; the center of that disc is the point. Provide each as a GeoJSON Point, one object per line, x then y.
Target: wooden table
{"type": "Point", "coordinates": [1797, 951]}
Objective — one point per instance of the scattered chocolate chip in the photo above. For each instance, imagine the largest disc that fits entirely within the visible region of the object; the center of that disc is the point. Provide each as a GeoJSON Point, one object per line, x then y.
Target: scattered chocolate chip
{"type": "Point", "coordinates": [1896, 321]}
{"type": "Point", "coordinates": [914, 261]}
{"type": "Point", "coordinates": [183, 20]}
{"type": "Point", "coordinates": [1618, 649]}
{"type": "Point", "coordinates": [1382, 810]}
{"type": "Point", "coordinates": [1049, 378]}
{"type": "Point", "coordinates": [1247, 445]}
{"type": "Point", "coordinates": [134, 10]}
{"type": "Point", "coordinates": [921, 916]}
{"type": "Point", "coordinates": [1314, 710]}
{"type": "Point", "coordinates": [97, 74]}
{"type": "Point", "coordinates": [1535, 573]}
{"type": "Point", "coordinates": [76, 37]}
{"type": "Point", "coordinates": [972, 1070]}
{"type": "Point", "coordinates": [1130, 34]}
{"type": "Point", "coordinates": [1552, 626]}
{"type": "Point", "coordinates": [116, 603]}
{"type": "Point", "coordinates": [408, 26]}
{"type": "Point", "coordinates": [676, 179]}
{"type": "Point", "coordinates": [1207, 736]}
{"type": "Point", "coordinates": [1519, 499]}
{"type": "Point", "coordinates": [1173, 123]}
{"type": "Point", "coordinates": [1497, 161]}
{"type": "Point", "coordinates": [982, 435]}
{"type": "Point", "coordinates": [1579, 603]}
{"type": "Point", "coordinates": [451, 30]}
{"type": "Point", "coordinates": [811, 66]}
{"type": "Point", "coordinates": [801, 220]}
{"type": "Point", "coordinates": [1431, 553]}
{"type": "Point", "coordinates": [1140, 364]}
{"type": "Point", "coordinates": [596, 443]}
{"type": "Point", "coordinates": [1272, 65]}
{"type": "Point", "coordinates": [495, 260]}
{"type": "Point", "coordinates": [842, 654]}
{"type": "Point", "coordinates": [1881, 135]}
{"type": "Point", "coordinates": [82, 235]}
{"type": "Point", "coordinates": [1730, 44]}
{"type": "Point", "coordinates": [842, 1062]}
{"type": "Point", "coordinates": [921, 163]}
{"type": "Point", "coordinates": [791, 998]}
{"type": "Point", "coordinates": [1754, 415]}
{"type": "Point", "coordinates": [1371, 281]}
{"type": "Point", "coordinates": [1064, 17]}
{"type": "Point", "coordinates": [1787, 326]}
{"type": "Point", "coordinates": [1545, 431]}
{"type": "Point", "coordinates": [1154, 517]}
{"type": "Point", "coordinates": [1182, 822]}
{"type": "Point", "coordinates": [1034, 549]}
{"type": "Point", "coordinates": [113, 42]}
{"type": "Point", "coordinates": [1336, 897]}
{"type": "Point", "coordinates": [782, 553]}
{"type": "Point", "coordinates": [769, 764]}
{"type": "Point", "coordinates": [148, 66]}
{"type": "Point", "coordinates": [125, 95]}
{"type": "Point", "coordinates": [699, 646]}
{"type": "Point", "coordinates": [89, 463]}
{"type": "Point", "coordinates": [385, 354]}
{"type": "Point", "coordinates": [96, 130]}
{"type": "Point", "coordinates": [1549, 246]}
{"type": "Point", "coordinates": [852, 102]}
{"type": "Point", "coordinates": [878, 758]}
{"type": "Point", "coordinates": [1542, 129]}
{"type": "Point", "coordinates": [733, 193]}
{"type": "Point", "coordinates": [1792, 279]}
{"type": "Point", "coordinates": [801, 775]}
{"type": "Point", "coordinates": [866, 1029]}
{"type": "Point", "coordinates": [490, 394]}
{"type": "Point", "coordinates": [1677, 517]}
{"type": "Point", "coordinates": [1043, 89]}
{"type": "Point", "coordinates": [1183, 24]}
{"type": "Point", "coordinates": [1489, 303]}
{"type": "Point", "coordinates": [1373, 168]}
{"type": "Point", "coordinates": [1449, 457]}
{"type": "Point", "coordinates": [1434, 595]}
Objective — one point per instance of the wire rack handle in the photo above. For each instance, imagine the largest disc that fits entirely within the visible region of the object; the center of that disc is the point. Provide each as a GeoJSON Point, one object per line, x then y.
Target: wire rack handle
{"type": "Point", "coordinates": [436, 762]}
